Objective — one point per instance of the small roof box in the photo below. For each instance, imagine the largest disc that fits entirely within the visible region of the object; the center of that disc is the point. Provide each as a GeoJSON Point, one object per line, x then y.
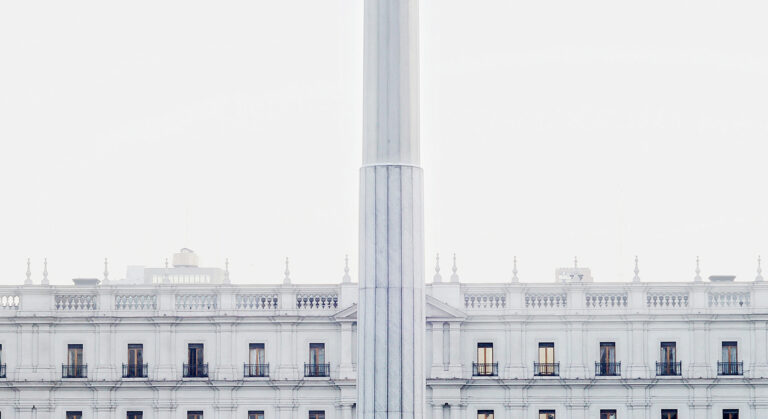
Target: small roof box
{"type": "Point", "coordinates": [85, 282]}
{"type": "Point", "coordinates": [722, 278]}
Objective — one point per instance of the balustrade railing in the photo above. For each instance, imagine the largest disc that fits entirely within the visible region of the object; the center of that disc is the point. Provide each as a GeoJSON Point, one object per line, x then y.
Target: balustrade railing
{"type": "Point", "coordinates": [729, 299]}
{"type": "Point", "coordinates": [257, 302]}
{"type": "Point", "coordinates": [607, 369]}
{"type": "Point", "coordinates": [141, 302]}
{"type": "Point", "coordinates": [667, 300]}
{"type": "Point", "coordinates": [485, 301]}
{"type": "Point", "coordinates": [318, 301]}
{"type": "Point", "coordinates": [77, 302]}
{"type": "Point", "coordinates": [538, 301]}
{"type": "Point", "coordinates": [195, 370]}
{"type": "Point", "coordinates": [256, 370]}
{"type": "Point", "coordinates": [197, 302]}
{"type": "Point", "coordinates": [543, 369]}
{"type": "Point", "coordinates": [317, 370]}
{"type": "Point", "coordinates": [668, 368]}
{"type": "Point", "coordinates": [135, 370]}
{"type": "Point", "coordinates": [488, 369]}
{"type": "Point", "coordinates": [9, 302]}
{"type": "Point", "coordinates": [730, 368]}
{"type": "Point", "coordinates": [74, 371]}
{"type": "Point", "coordinates": [606, 300]}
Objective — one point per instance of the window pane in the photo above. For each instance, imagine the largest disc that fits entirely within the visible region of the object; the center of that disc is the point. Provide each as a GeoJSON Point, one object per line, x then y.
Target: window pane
{"type": "Point", "coordinates": [731, 414]}
{"type": "Point", "coordinates": [546, 414]}
{"type": "Point", "coordinates": [195, 414]}
{"type": "Point", "coordinates": [317, 353]}
{"type": "Point", "coordinates": [134, 415]}
{"type": "Point", "coordinates": [316, 414]}
{"type": "Point", "coordinates": [485, 414]}
{"type": "Point", "coordinates": [607, 414]}
{"type": "Point", "coordinates": [254, 414]}
{"type": "Point", "coordinates": [74, 415]}
{"type": "Point", "coordinates": [730, 353]}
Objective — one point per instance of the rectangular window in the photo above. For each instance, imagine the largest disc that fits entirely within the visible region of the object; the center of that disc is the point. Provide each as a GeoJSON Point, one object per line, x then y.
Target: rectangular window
{"type": "Point", "coordinates": [75, 355]}
{"type": "Point", "coordinates": [74, 415]}
{"type": "Point", "coordinates": [135, 366]}
{"type": "Point", "coordinates": [485, 414]}
{"type": "Point", "coordinates": [2, 366]}
{"type": "Point", "coordinates": [485, 359]}
{"type": "Point", "coordinates": [731, 414]}
{"type": "Point", "coordinates": [134, 415]}
{"type": "Point", "coordinates": [546, 358]}
{"type": "Point", "coordinates": [195, 414]}
{"type": "Point", "coordinates": [607, 414]}
{"type": "Point", "coordinates": [608, 352]}
{"type": "Point", "coordinates": [257, 363]}
{"type": "Point", "coordinates": [730, 352]}
{"type": "Point", "coordinates": [669, 414]}
{"type": "Point", "coordinates": [668, 352]}
{"type": "Point", "coordinates": [256, 414]}
{"type": "Point", "coordinates": [196, 366]}
{"type": "Point", "coordinates": [317, 353]}
{"type": "Point", "coordinates": [546, 414]}
{"type": "Point", "coordinates": [317, 414]}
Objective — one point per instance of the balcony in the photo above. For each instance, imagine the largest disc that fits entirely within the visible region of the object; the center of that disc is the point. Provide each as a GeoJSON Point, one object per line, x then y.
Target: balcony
{"type": "Point", "coordinates": [541, 369]}
{"type": "Point", "coordinates": [256, 370]}
{"type": "Point", "coordinates": [317, 370]}
{"type": "Point", "coordinates": [607, 369]}
{"type": "Point", "coordinates": [135, 370]}
{"type": "Point", "coordinates": [195, 370]}
{"type": "Point", "coordinates": [485, 369]}
{"type": "Point", "coordinates": [668, 368]}
{"type": "Point", "coordinates": [2, 370]}
{"type": "Point", "coordinates": [730, 368]}
{"type": "Point", "coordinates": [74, 371]}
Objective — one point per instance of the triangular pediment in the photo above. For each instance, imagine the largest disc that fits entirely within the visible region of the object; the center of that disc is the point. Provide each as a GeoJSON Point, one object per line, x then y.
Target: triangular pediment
{"type": "Point", "coordinates": [435, 310]}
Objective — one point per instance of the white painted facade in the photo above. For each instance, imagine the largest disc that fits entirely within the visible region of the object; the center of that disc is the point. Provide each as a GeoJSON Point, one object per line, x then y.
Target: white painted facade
{"type": "Point", "coordinates": [37, 323]}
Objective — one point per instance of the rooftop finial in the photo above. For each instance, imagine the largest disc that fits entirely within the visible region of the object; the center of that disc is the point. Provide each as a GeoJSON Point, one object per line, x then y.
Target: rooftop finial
{"type": "Point", "coordinates": [697, 278]}
{"type": "Point", "coordinates": [45, 271]}
{"type": "Point", "coordinates": [166, 280]}
{"type": "Point", "coordinates": [226, 271]}
{"type": "Point", "coordinates": [287, 279]}
{"type": "Point", "coordinates": [166, 263]}
{"type": "Point", "coordinates": [514, 269]}
{"type": "Point", "coordinates": [28, 281]}
{"type": "Point", "coordinates": [346, 278]}
{"type": "Point", "coordinates": [636, 278]}
{"type": "Point", "coordinates": [759, 277]}
{"type": "Point", "coordinates": [106, 271]}
{"type": "Point", "coordinates": [454, 275]}
{"type": "Point", "coordinates": [437, 278]}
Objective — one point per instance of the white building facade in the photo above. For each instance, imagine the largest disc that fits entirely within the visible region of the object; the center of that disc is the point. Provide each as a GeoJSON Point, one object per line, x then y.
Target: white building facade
{"type": "Point", "coordinates": [571, 349]}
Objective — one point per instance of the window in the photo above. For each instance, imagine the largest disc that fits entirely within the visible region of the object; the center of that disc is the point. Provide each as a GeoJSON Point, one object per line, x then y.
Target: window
{"type": "Point", "coordinates": [317, 414]}
{"type": "Point", "coordinates": [668, 364]}
{"type": "Point", "coordinates": [316, 367]}
{"type": "Point", "coordinates": [74, 415]}
{"type": "Point", "coordinates": [256, 414]}
{"type": "Point", "coordinates": [485, 414]}
{"type": "Point", "coordinates": [547, 365]}
{"type": "Point", "coordinates": [485, 359]}
{"type": "Point", "coordinates": [730, 364]}
{"type": "Point", "coordinates": [608, 364]}
{"type": "Point", "coordinates": [669, 414]}
{"type": "Point", "coordinates": [135, 366]}
{"type": "Point", "coordinates": [2, 366]}
{"type": "Point", "coordinates": [195, 414]}
{"type": "Point", "coordinates": [134, 415]}
{"type": "Point", "coordinates": [546, 414]}
{"type": "Point", "coordinates": [75, 368]}
{"type": "Point", "coordinates": [607, 414]}
{"type": "Point", "coordinates": [257, 365]}
{"type": "Point", "coordinates": [195, 367]}
{"type": "Point", "coordinates": [731, 414]}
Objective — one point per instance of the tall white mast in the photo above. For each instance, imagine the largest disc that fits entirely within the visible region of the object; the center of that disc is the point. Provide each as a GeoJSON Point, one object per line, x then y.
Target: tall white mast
{"type": "Point", "coordinates": [391, 310]}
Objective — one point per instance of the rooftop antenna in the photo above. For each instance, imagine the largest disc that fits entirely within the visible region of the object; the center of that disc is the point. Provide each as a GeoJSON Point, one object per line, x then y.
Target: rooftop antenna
{"type": "Point", "coordinates": [437, 278]}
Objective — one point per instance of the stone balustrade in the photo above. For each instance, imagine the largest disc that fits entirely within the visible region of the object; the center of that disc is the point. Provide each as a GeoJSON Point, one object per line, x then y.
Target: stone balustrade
{"type": "Point", "coordinates": [324, 300]}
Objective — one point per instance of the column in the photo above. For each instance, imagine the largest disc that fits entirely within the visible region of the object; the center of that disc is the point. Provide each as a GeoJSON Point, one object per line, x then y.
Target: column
{"type": "Point", "coordinates": [391, 300]}
{"type": "Point", "coordinates": [454, 366]}
{"type": "Point", "coordinates": [437, 350]}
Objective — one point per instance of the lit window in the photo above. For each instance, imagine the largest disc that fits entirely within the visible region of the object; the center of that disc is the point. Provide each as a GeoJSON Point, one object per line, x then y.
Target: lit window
{"type": "Point", "coordinates": [669, 414]}
{"type": "Point", "coordinates": [485, 414]}
{"type": "Point", "coordinates": [731, 414]}
{"type": "Point", "coordinates": [546, 414]}
{"type": "Point", "coordinates": [317, 414]}
{"type": "Point", "coordinates": [485, 359]}
{"type": "Point", "coordinates": [196, 414]}
{"type": "Point", "coordinates": [74, 415]}
{"type": "Point", "coordinates": [607, 414]}
{"type": "Point", "coordinates": [256, 414]}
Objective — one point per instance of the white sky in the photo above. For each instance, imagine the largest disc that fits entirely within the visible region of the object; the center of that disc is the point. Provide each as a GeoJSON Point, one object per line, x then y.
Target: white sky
{"type": "Point", "coordinates": [550, 129]}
